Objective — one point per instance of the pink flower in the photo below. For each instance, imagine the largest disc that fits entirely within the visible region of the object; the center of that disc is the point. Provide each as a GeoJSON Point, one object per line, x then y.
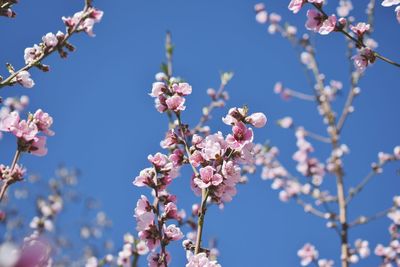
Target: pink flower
{"type": "Point", "coordinates": [196, 159]}
{"type": "Point", "coordinates": [145, 177]}
{"type": "Point", "coordinates": [176, 103]}
{"type": "Point", "coordinates": [50, 40]}
{"type": "Point", "coordinates": [231, 172]}
{"type": "Point", "coordinates": [32, 53]}
{"type": "Point", "coordinates": [144, 221]}
{"type": "Point", "coordinates": [360, 28]}
{"type": "Point", "coordinates": [387, 3]}
{"type": "Point", "coordinates": [157, 89]}
{"type": "Point", "coordinates": [363, 58]}
{"type": "Point", "coordinates": [43, 121]}
{"type": "Point", "coordinates": [16, 174]}
{"type": "Point", "coordinates": [9, 122]}
{"type": "Point", "coordinates": [173, 232]}
{"type": "Point", "coordinates": [318, 23]}
{"type": "Point", "coordinates": [142, 206]}
{"type": "Point", "coordinates": [170, 211]}
{"type": "Point", "coordinates": [285, 122]}
{"type": "Point", "coordinates": [307, 254]}
{"type": "Point", "coordinates": [234, 115]}
{"type": "Point", "coordinates": [182, 89]}
{"type": "Point", "coordinates": [25, 130]}
{"type": "Point", "coordinates": [200, 260]}
{"type": "Point", "coordinates": [241, 136]}
{"type": "Point", "coordinates": [395, 216]}
{"type": "Point", "coordinates": [397, 10]}
{"type": "Point", "coordinates": [325, 263]}
{"type": "Point", "coordinates": [176, 157]}
{"type": "Point", "coordinates": [38, 146]}
{"type": "Point", "coordinates": [86, 24]}
{"type": "Point", "coordinates": [154, 259]}
{"type": "Point", "coordinates": [362, 248]}
{"type": "Point", "coordinates": [295, 5]}
{"type": "Point", "coordinates": [160, 103]}
{"type": "Point", "coordinates": [213, 146]}
{"type": "Point", "coordinates": [208, 178]}
{"type": "Point", "coordinates": [24, 79]}
{"type": "Point", "coordinates": [159, 160]}
{"type": "Point", "coordinates": [258, 119]}
{"type": "Point", "coordinates": [261, 13]}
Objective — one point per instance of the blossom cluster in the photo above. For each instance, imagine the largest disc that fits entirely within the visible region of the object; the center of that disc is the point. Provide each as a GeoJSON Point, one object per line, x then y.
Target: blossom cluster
{"type": "Point", "coordinates": [309, 254]}
{"type": "Point", "coordinates": [215, 160]}
{"type": "Point", "coordinates": [27, 130]}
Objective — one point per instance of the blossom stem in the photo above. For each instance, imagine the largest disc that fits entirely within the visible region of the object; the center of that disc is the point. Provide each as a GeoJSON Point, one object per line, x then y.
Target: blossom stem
{"type": "Point", "coordinates": [160, 229]}
{"type": "Point", "coordinates": [365, 220]}
{"type": "Point", "coordinates": [9, 80]}
{"type": "Point", "coordinates": [204, 194]}
{"type": "Point", "coordinates": [200, 221]}
{"type": "Point", "coordinates": [10, 179]}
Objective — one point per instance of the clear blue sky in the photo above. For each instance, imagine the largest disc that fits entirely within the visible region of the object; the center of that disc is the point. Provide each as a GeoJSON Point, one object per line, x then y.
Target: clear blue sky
{"type": "Point", "coordinates": [106, 125]}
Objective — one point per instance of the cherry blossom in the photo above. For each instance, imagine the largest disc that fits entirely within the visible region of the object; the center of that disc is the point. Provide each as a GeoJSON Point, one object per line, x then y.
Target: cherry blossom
{"type": "Point", "coordinates": [318, 23]}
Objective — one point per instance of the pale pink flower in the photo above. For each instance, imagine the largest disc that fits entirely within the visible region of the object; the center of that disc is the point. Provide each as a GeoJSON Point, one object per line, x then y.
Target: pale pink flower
{"type": "Point", "coordinates": [362, 247]}
{"type": "Point", "coordinates": [170, 211]}
{"type": "Point", "coordinates": [9, 122]}
{"type": "Point", "coordinates": [157, 89]}
{"type": "Point", "coordinates": [344, 8]}
{"type": "Point", "coordinates": [173, 232]}
{"type": "Point", "coordinates": [363, 58]}
{"type": "Point", "coordinates": [396, 152]}
{"type": "Point", "coordinates": [318, 23]}
{"type": "Point", "coordinates": [213, 146]}
{"type": "Point", "coordinates": [50, 40]}
{"type": "Point", "coordinates": [257, 119]}
{"type": "Point", "coordinates": [274, 18]}
{"type": "Point", "coordinates": [261, 13]}
{"type": "Point", "coordinates": [231, 172]}
{"type": "Point", "coordinates": [200, 260]}
{"type": "Point", "coordinates": [38, 146]}
{"type": "Point", "coordinates": [387, 3]}
{"type": "Point", "coordinates": [208, 177]}
{"type": "Point", "coordinates": [43, 121]}
{"type": "Point", "coordinates": [234, 115]}
{"type": "Point", "coordinates": [325, 263]}
{"type": "Point", "coordinates": [25, 130]}
{"type": "Point", "coordinates": [360, 28]}
{"type": "Point", "coordinates": [196, 158]}
{"type": "Point", "coordinates": [295, 5]}
{"type": "Point", "coordinates": [307, 254]}
{"type": "Point", "coordinates": [16, 174]}
{"type": "Point", "coordinates": [32, 53]}
{"type": "Point", "coordinates": [278, 88]}
{"type": "Point", "coordinates": [161, 76]}
{"type": "Point", "coordinates": [142, 206]}
{"type": "Point", "coordinates": [285, 122]}
{"type": "Point", "coordinates": [396, 201]}
{"type": "Point", "coordinates": [24, 79]}
{"type": "Point", "coordinates": [144, 221]}
{"type": "Point", "coordinates": [176, 103]}
{"type": "Point", "coordinates": [182, 89]}
{"type": "Point", "coordinates": [141, 248]}
{"type": "Point", "coordinates": [159, 160]}
{"type": "Point", "coordinates": [397, 10]}
{"type": "Point", "coordinates": [240, 137]}
{"type": "Point", "coordinates": [395, 216]}
{"type": "Point", "coordinates": [145, 177]}
{"type": "Point", "coordinates": [84, 24]}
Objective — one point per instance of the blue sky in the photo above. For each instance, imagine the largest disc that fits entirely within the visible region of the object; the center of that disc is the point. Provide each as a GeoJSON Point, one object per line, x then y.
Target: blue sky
{"type": "Point", "coordinates": [106, 125]}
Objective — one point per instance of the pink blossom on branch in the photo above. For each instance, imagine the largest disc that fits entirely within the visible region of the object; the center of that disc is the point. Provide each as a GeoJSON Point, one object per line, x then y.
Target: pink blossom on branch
{"type": "Point", "coordinates": [317, 22]}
